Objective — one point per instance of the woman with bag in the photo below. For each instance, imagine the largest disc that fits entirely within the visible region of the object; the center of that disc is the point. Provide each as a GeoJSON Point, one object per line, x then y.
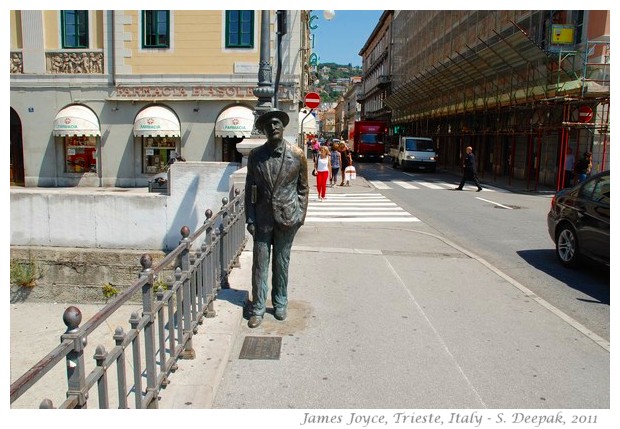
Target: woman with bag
{"type": "Point", "coordinates": [323, 166]}
{"type": "Point", "coordinates": [346, 161]}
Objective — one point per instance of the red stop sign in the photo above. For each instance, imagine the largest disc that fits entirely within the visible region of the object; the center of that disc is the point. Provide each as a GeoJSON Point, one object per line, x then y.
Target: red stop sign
{"type": "Point", "coordinates": [312, 100]}
{"type": "Point", "coordinates": [585, 114]}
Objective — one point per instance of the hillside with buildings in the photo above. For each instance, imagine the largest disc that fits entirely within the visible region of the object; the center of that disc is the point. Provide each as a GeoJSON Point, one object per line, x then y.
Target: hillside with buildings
{"type": "Point", "coordinates": [334, 79]}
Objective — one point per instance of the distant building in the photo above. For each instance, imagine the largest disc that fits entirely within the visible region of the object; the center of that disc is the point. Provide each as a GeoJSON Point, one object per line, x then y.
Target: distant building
{"type": "Point", "coordinates": [376, 64]}
{"type": "Point", "coordinates": [519, 86]}
{"type": "Point", "coordinates": [514, 85]}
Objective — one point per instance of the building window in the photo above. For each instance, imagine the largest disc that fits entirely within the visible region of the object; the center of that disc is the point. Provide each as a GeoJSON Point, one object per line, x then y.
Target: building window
{"type": "Point", "coordinates": [80, 154]}
{"type": "Point", "coordinates": [239, 29]}
{"type": "Point", "coordinates": [156, 153]}
{"type": "Point", "coordinates": [74, 26]}
{"type": "Point", "coordinates": [156, 29]}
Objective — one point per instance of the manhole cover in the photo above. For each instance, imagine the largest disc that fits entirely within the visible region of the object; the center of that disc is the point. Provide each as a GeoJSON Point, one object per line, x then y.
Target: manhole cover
{"type": "Point", "coordinates": [261, 348]}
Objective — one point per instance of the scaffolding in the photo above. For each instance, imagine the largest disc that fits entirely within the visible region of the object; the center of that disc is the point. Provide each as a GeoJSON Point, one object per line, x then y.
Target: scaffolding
{"type": "Point", "coordinates": [517, 102]}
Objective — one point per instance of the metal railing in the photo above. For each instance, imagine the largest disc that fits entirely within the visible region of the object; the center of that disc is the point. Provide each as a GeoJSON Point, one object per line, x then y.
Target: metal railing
{"type": "Point", "coordinates": [157, 339]}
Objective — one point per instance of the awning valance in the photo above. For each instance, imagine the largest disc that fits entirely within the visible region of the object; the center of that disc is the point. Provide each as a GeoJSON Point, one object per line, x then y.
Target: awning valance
{"type": "Point", "coordinates": [309, 124]}
{"type": "Point", "coordinates": [156, 121]}
{"type": "Point", "coordinates": [76, 120]}
{"type": "Point", "coordinates": [236, 121]}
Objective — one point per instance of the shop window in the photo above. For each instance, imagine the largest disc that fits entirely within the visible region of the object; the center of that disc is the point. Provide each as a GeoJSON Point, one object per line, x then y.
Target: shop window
{"type": "Point", "coordinates": [156, 29]}
{"type": "Point", "coordinates": [81, 154]}
{"type": "Point", "coordinates": [156, 153]}
{"type": "Point", "coordinates": [74, 27]}
{"type": "Point", "coordinates": [239, 28]}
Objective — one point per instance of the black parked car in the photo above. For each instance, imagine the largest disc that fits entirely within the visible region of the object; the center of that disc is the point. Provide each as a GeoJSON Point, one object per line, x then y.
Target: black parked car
{"type": "Point", "coordinates": [578, 221]}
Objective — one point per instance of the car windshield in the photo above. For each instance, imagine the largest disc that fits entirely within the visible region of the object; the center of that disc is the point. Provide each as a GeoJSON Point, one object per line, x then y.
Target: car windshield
{"type": "Point", "coordinates": [597, 190]}
{"type": "Point", "coordinates": [419, 145]}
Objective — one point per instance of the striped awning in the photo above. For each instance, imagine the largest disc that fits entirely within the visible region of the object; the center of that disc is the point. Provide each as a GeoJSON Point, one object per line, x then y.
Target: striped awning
{"type": "Point", "coordinates": [156, 121]}
{"type": "Point", "coordinates": [76, 120]}
{"type": "Point", "coordinates": [236, 121]}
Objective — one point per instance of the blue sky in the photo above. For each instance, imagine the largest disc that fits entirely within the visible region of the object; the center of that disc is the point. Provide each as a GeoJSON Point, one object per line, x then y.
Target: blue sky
{"type": "Point", "coordinates": [341, 39]}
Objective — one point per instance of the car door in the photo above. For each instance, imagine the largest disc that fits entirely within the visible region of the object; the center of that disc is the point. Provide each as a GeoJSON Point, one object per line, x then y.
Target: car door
{"type": "Point", "coordinates": [594, 205]}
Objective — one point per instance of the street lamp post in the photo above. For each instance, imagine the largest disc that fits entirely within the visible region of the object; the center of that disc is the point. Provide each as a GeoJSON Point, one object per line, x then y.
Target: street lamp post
{"type": "Point", "coordinates": [264, 91]}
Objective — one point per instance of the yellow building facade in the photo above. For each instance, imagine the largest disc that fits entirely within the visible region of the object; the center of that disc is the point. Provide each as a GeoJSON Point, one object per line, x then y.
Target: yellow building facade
{"type": "Point", "coordinates": [109, 98]}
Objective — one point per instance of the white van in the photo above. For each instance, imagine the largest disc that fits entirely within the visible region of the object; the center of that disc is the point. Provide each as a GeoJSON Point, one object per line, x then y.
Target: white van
{"type": "Point", "coordinates": [414, 152]}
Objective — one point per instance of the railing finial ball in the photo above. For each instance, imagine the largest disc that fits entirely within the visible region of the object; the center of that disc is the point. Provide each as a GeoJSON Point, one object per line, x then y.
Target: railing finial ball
{"type": "Point", "coordinates": [224, 201]}
{"type": "Point", "coordinates": [46, 404]}
{"type": "Point", "coordinates": [146, 261]}
{"type": "Point", "coordinates": [72, 317]}
{"type": "Point", "coordinates": [208, 213]}
{"type": "Point", "coordinates": [185, 231]}
{"type": "Point", "coordinates": [237, 191]}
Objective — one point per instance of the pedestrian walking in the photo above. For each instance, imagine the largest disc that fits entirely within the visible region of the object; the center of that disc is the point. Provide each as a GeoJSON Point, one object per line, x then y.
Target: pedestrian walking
{"type": "Point", "coordinates": [276, 201]}
{"type": "Point", "coordinates": [569, 168]}
{"type": "Point", "coordinates": [346, 160]}
{"type": "Point", "coordinates": [315, 149]}
{"type": "Point", "coordinates": [323, 166]}
{"type": "Point", "coordinates": [469, 170]}
{"type": "Point", "coordinates": [335, 155]}
{"type": "Point", "coordinates": [583, 168]}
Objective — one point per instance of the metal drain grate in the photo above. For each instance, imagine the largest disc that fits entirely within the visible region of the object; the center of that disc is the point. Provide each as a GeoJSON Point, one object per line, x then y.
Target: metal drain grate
{"type": "Point", "coordinates": [261, 348]}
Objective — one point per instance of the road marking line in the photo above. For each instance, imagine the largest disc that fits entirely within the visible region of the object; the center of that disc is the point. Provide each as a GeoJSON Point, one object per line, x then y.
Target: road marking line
{"type": "Point", "coordinates": [406, 185]}
{"type": "Point", "coordinates": [430, 185]}
{"type": "Point", "coordinates": [493, 202]}
{"type": "Point", "coordinates": [362, 219]}
{"type": "Point", "coordinates": [318, 208]}
{"type": "Point", "coordinates": [379, 185]}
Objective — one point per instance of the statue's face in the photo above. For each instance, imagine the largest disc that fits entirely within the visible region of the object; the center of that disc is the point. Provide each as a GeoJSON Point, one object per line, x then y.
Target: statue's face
{"type": "Point", "coordinates": [274, 128]}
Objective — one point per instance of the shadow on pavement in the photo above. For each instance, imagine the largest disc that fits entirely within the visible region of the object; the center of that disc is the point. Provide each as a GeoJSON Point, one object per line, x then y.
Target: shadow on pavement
{"type": "Point", "coordinates": [589, 278]}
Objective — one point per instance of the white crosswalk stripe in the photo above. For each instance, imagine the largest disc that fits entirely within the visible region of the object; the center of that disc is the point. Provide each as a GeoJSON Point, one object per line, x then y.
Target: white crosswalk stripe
{"type": "Point", "coordinates": [356, 208]}
{"type": "Point", "coordinates": [421, 184]}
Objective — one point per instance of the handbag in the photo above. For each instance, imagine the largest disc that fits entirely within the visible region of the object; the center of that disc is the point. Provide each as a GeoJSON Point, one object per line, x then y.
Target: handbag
{"type": "Point", "coordinates": [314, 171]}
{"type": "Point", "coordinates": [349, 173]}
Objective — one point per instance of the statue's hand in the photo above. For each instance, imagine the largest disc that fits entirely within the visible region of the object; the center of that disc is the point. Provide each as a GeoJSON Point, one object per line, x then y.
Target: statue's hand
{"type": "Point", "coordinates": [251, 229]}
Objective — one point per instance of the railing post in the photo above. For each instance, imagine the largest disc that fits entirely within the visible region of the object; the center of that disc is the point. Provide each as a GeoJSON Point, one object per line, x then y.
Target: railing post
{"type": "Point", "coordinates": [188, 350]}
{"type": "Point", "coordinates": [207, 296]}
{"type": "Point", "coordinates": [134, 321]}
{"type": "Point", "coordinates": [76, 371]}
{"type": "Point", "coordinates": [224, 247]}
{"type": "Point", "coordinates": [149, 330]}
{"type": "Point", "coordinates": [102, 384]}
{"type": "Point", "coordinates": [121, 376]}
{"type": "Point", "coordinates": [193, 283]}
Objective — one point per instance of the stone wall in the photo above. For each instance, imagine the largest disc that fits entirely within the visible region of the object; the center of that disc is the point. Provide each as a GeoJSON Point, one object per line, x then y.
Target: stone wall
{"type": "Point", "coordinates": [77, 275]}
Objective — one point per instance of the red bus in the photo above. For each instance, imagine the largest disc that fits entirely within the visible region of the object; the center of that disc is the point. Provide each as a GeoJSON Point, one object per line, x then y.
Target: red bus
{"type": "Point", "coordinates": [369, 138]}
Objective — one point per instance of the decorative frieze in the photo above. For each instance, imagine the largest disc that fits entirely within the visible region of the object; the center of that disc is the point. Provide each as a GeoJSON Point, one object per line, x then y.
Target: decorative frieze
{"type": "Point", "coordinates": [79, 62]}
{"type": "Point", "coordinates": [17, 62]}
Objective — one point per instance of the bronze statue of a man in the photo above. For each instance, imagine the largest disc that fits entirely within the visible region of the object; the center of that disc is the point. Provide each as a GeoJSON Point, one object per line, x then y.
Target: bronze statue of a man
{"type": "Point", "coordinates": [276, 200]}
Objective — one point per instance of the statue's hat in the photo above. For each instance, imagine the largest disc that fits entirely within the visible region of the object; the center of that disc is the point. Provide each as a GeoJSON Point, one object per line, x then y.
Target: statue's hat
{"type": "Point", "coordinates": [273, 113]}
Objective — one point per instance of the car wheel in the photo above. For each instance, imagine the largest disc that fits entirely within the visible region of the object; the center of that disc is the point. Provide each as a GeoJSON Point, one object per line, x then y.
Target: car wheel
{"type": "Point", "coordinates": [566, 246]}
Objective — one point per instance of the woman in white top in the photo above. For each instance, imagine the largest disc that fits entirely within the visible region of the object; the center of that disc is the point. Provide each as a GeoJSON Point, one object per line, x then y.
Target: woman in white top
{"type": "Point", "coordinates": [323, 167]}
